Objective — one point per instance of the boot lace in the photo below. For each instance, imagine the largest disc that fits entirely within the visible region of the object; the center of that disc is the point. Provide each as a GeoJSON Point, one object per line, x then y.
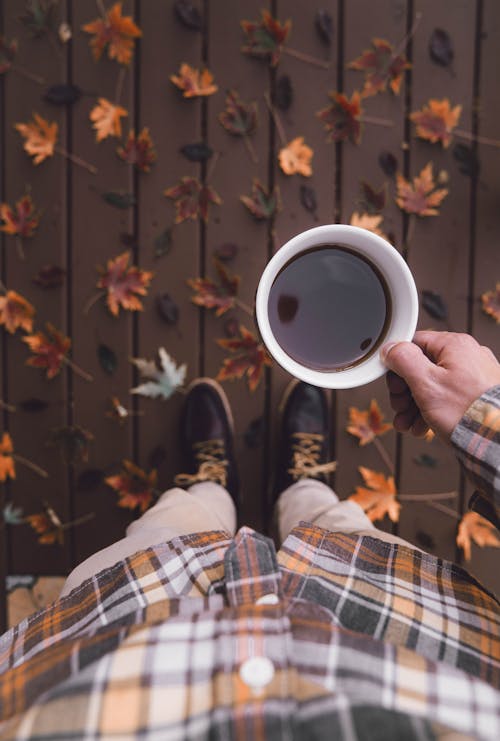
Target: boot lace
{"type": "Point", "coordinates": [212, 464]}
{"type": "Point", "coordinates": [306, 452]}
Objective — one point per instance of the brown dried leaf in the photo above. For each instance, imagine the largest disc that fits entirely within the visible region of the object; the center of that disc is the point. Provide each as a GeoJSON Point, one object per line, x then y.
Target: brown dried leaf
{"type": "Point", "coordinates": [422, 196]}
{"type": "Point", "coordinates": [436, 121]}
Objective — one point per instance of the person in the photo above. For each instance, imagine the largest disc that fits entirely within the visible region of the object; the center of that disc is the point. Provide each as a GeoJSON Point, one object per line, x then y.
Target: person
{"type": "Point", "coordinates": [189, 629]}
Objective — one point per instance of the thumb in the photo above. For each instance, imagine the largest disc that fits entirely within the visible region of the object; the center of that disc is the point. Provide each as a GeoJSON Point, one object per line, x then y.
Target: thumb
{"type": "Point", "coordinates": [407, 360]}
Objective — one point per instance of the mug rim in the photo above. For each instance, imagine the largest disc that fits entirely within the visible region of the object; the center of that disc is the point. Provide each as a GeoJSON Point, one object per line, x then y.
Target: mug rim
{"type": "Point", "coordinates": [400, 284]}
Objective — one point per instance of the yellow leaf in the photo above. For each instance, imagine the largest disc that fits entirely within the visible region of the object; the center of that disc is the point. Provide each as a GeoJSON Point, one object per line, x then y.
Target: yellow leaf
{"type": "Point", "coordinates": [296, 158]}
{"type": "Point", "coordinates": [106, 119]}
{"type": "Point", "coordinates": [372, 223]}
{"type": "Point", "coordinates": [474, 527]}
{"type": "Point", "coordinates": [40, 137]}
{"type": "Point", "coordinates": [194, 83]}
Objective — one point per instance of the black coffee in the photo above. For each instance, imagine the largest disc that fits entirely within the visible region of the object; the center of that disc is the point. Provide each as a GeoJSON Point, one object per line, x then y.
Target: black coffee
{"type": "Point", "coordinates": [328, 308]}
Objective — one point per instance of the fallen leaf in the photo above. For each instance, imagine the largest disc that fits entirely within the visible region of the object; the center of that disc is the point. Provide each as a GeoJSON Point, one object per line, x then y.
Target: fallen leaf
{"type": "Point", "coordinates": [13, 515]}
{"type": "Point", "coordinates": [490, 301]}
{"type": "Point", "coordinates": [38, 16]}
{"type": "Point", "coordinates": [16, 312]}
{"type": "Point", "coordinates": [50, 276]}
{"type": "Point", "coordinates": [89, 479]}
{"type": "Point", "coordinates": [265, 38]}
{"type": "Point", "coordinates": [32, 404]}
{"type": "Point", "coordinates": [138, 150]}
{"type": "Point", "coordinates": [226, 251]}
{"type": "Point", "coordinates": [73, 443]}
{"type": "Point", "coordinates": [308, 199]}
{"type": "Point", "coordinates": [105, 117]}
{"type": "Point", "coordinates": [283, 93]}
{"type": "Point", "coordinates": [436, 121]}
{"type": "Point", "coordinates": [367, 424]}
{"type": "Point", "coordinates": [466, 157]}
{"type": "Point", "coordinates": [7, 465]}
{"type": "Point", "coordinates": [20, 220]}
{"type": "Point", "coordinates": [108, 359]}
{"type": "Point", "coordinates": [8, 51]}
{"type": "Point", "coordinates": [124, 284]}
{"type": "Point", "coordinates": [63, 94]}
{"type": "Point", "coordinates": [45, 529]}
{"type": "Point", "coordinates": [211, 295]}
{"type": "Point", "coordinates": [39, 136]}
{"type": "Point", "coordinates": [380, 498]}
{"type": "Point", "coordinates": [262, 204]}
{"type": "Point", "coordinates": [135, 487]}
{"type": "Point", "coordinates": [194, 83]}
{"type": "Point", "coordinates": [372, 200]}
{"type": "Point", "coordinates": [421, 197]}
{"type": "Point", "coordinates": [50, 349]}
{"type": "Point", "coordinates": [64, 32]}
{"type": "Point", "coordinates": [382, 67]}
{"type": "Point", "coordinates": [474, 527]}
{"type": "Point", "coordinates": [238, 118]}
{"type": "Point", "coordinates": [323, 23]}
{"type": "Point", "coordinates": [388, 163]}
{"type": "Point", "coordinates": [372, 223]}
{"type": "Point", "coordinates": [231, 327]}
{"type": "Point", "coordinates": [192, 199]}
{"type": "Point", "coordinates": [161, 381]}
{"type": "Point", "coordinates": [113, 32]}
{"type": "Point", "coordinates": [117, 411]}
{"type": "Point", "coordinates": [441, 47]}
{"type": "Point", "coordinates": [425, 460]}
{"type": "Point", "coordinates": [197, 152]}
{"type": "Point", "coordinates": [167, 309]}
{"type": "Point", "coordinates": [296, 157]}
{"type": "Point", "coordinates": [250, 359]}
{"type": "Point", "coordinates": [188, 15]}
{"type": "Point", "coordinates": [434, 305]}
{"type": "Point", "coordinates": [119, 199]}
{"type": "Point", "coordinates": [163, 242]}
{"type": "Point", "coordinates": [341, 118]}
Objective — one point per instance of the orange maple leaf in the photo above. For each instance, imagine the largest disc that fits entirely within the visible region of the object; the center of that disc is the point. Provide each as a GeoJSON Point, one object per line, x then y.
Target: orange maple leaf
{"type": "Point", "coordinates": [40, 137]}
{"type": "Point", "coordinates": [380, 498]}
{"type": "Point", "coordinates": [366, 221]}
{"type": "Point", "coordinates": [436, 121]}
{"type": "Point", "coordinates": [194, 83]}
{"type": "Point", "coordinates": [422, 196]}
{"type": "Point", "coordinates": [47, 531]}
{"type": "Point", "coordinates": [296, 158]}
{"type": "Point", "coordinates": [210, 295]}
{"type": "Point", "coordinates": [106, 119]}
{"type": "Point", "coordinates": [50, 349]}
{"type": "Point", "coordinates": [138, 150]}
{"type": "Point", "coordinates": [15, 312]}
{"type": "Point", "coordinates": [124, 284]}
{"type": "Point", "coordinates": [490, 302]}
{"type": "Point", "coordinates": [114, 31]}
{"type": "Point", "coordinates": [474, 527]}
{"type": "Point", "coordinates": [250, 361]}
{"type": "Point", "coordinates": [368, 423]}
{"type": "Point", "coordinates": [7, 465]}
{"type": "Point", "coordinates": [342, 117]}
{"type": "Point", "coordinates": [135, 487]}
{"type": "Point", "coordinates": [381, 66]}
{"type": "Point", "coordinates": [20, 220]}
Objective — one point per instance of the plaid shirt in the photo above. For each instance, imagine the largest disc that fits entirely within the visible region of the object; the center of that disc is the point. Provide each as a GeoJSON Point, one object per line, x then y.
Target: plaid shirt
{"type": "Point", "coordinates": [336, 635]}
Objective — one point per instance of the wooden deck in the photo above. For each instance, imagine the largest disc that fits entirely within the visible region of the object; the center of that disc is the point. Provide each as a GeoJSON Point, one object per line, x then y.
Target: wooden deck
{"type": "Point", "coordinates": [455, 253]}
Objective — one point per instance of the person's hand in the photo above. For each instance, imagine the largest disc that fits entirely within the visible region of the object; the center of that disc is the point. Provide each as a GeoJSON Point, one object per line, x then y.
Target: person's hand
{"type": "Point", "coordinates": [434, 379]}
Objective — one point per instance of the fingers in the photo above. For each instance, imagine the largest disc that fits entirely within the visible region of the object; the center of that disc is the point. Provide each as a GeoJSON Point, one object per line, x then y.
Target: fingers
{"type": "Point", "coordinates": [407, 360]}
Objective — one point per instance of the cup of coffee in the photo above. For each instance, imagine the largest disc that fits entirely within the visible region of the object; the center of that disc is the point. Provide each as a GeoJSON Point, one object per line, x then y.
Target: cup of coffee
{"type": "Point", "coordinates": [329, 299]}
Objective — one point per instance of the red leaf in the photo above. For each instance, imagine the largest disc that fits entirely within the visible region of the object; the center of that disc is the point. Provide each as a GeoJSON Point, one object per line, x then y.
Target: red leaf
{"type": "Point", "coordinates": [138, 151]}
{"type": "Point", "coordinates": [15, 312]}
{"type": "Point", "coordinates": [381, 67]}
{"type": "Point", "coordinates": [213, 296]}
{"type": "Point", "coordinates": [368, 423]}
{"type": "Point", "coordinates": [7, 464]}
{"type": "Point", "coordinates": [50, 350]}
{"type": "Point", "coordinates": [342, 117]}
{"type": "Point", "coordinates": [192, 199]}
{"type": "Point", "coordinates": [135, 487]}
{"type": "Point", "coordinates": [262, 204]}
{"type": "Point", "coordinates": [124, 284]}
{"type": "Point", "coordinates": [114, 32]}
{"type": "Point", "coordinates": [422, 196]}
{"type": "Point", "coordinates": [238, 118]}
{"type": "Point", "coordinates": [490, 301]}
{"type": "Point", "coordinates": [265, 38]}
{"type": "Point", "coordinates": [20, 220]}
{"type": "Point", "coordinates": [250, 360]}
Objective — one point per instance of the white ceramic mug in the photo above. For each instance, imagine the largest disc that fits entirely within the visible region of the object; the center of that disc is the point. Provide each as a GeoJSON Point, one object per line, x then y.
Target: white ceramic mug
{"type": "Point", "coordinates": [399, 282]}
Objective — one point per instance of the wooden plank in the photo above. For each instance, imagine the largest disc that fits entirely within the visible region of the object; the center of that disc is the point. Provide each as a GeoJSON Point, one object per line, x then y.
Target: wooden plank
{"type": "Point", "coordinates": [438, 252]}
{"type": "Point", "coordinates": [47, 182]}
{"type": "Point", "coordinates": [382, 20]}
{"type": "Point", "coordinates": [173, 121]}
{"type": "Point", "coordinates": [4, 386]}
{"type": "Point", "coordinates": [232, 177]}
{"type": "Point", "coordinates": [95, 237]}
{"type": "Point", "coordinates": [484, 563]}
{"type": "Point", "coordinates": [310, 85]}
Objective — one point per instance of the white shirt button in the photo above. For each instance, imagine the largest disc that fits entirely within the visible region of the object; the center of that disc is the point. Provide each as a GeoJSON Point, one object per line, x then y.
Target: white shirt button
{"type": "Point", "coordinates": [268, 599]}
{"type": "Point", "coordinates": [257, 672]}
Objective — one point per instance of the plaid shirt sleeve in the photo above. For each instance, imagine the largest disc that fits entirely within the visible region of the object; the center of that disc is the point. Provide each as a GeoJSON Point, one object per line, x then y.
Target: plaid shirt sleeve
{"type": "Point", "coordinates": [476, 440]}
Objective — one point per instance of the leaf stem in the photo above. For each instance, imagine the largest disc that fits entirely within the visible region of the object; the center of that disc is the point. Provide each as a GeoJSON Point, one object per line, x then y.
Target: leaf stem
{"type": "Point", "coordinates": [404, 41]}
{"type": "Point", "coordinates": [20, 248]}
{"type": "Point", "coordinates": [445, 509]}
{"type": "Point", "coordinates": [100, 7]}
{"type": "Point", "coordinates": [475, 138]}
{"type": "Point", "coordinates": [29, 464]}
{"type": "Point", "coordinates": [276, 119]}
{"type": "Point", "coordinates": [250, 149]}
{"type": "Point", "coordinates": [77, 160]}
{"type": "Point", "coordinates": [376, 120]}
{"type": "Point", "coordinates": [384, 454]}
{"type": "Point", "coordinates": [29, 75]}
{"type": "Point", "coordinates": [427, 497]}
{"type": "Point", "coordinates": [211, 168]}
{"type": "Point", "coordinates": [7, 407]}
{"type": "Point", "coordinates": [244, 306]}
{"type": "Point", "coordinates": [306, 58]}
{"type": "Point", "coordinates": [93, 300]}
{"type": "Point", "coordinates": [79, 372]}
{"type": "Point", "coordinates": [79, 521]}
{"type": "Point", "coordinates": [119, 84]}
